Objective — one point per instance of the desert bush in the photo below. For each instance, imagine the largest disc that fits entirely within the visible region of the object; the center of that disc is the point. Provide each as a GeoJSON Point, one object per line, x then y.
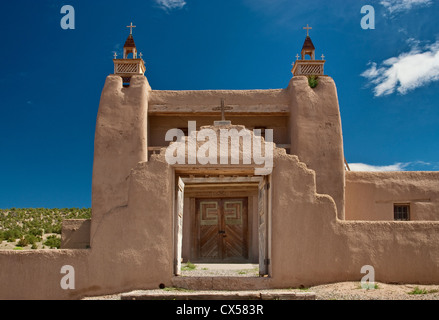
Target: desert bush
{"type": "Point", "coordinates": [31, 239]}
{"type": "Point", "coordinates": [23, 242]}
{"type": "Point", "coordinates": [12, 235]}
{"type": "Point", "coordinates": [53, 241]}
{"type": "Point", "coordinates": [313, 81]}
{"type": "Point", "coordinates": [36, 232]}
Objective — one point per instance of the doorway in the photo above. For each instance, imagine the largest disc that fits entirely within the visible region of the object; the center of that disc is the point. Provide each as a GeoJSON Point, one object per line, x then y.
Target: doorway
{"type": "Point", "coordinates": [221, 230]}
{"type": "Point", "coordinates": [227, 220]}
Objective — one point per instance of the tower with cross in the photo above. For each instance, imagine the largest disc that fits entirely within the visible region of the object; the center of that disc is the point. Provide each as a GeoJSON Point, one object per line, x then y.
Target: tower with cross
{"type": "Point", "coordinates": [308, 47]}
{"type": "Point", "coordinates": [130, 46]}
{"type": "Point", "coordinates": [310, 67]}
{"type": "Point", "coordinates": [130, 64]}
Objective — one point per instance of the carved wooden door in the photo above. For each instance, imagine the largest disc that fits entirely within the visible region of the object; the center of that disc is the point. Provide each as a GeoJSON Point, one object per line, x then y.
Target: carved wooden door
{"type": "Point", "coordinates": [222, 229]}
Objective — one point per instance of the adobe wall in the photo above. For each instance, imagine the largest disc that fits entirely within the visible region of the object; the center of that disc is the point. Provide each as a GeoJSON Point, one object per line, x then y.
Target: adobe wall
{"type": "Point", "coordinates": [132, 247]}
{"type": "Point", "coordinates": [316, 134]}
{"type": "Point", "coordinates": [120, 143]}
{"type": "Point", "coordinates": [310, 245]}
{"type": "Point", "coordinates": [75, 234]}
{"type": "Point", "coordinates": [35, 275]}
{"type": "Point", "coordinates": [371, 195]}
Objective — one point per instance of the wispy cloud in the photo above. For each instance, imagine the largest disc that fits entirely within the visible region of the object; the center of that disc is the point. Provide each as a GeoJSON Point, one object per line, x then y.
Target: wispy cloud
{"type": "Point", "coordinates": [395, 6]}
{"type": "Point", "coordinates": [170, 4]}
{"type": "Point", "coordinates": [406, 72]}
{"type": "Point", "coordinates": [369, 167]}
{"type": "Point", "coordinates": [400, 166]}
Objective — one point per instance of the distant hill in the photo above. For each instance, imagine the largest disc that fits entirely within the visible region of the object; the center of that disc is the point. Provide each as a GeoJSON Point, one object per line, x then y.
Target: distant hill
{"type": "Point", "coordinates": [35, 228]}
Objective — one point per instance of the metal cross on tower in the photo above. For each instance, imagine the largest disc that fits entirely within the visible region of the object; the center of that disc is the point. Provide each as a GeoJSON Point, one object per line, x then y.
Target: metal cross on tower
{"type": "Point", "coordinates": [131, 28]}
{"type": "Point", "coordinates": [307, 29]}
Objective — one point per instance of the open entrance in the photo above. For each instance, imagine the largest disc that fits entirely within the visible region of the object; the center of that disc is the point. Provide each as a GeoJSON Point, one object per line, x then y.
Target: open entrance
{"type": "Point", "coordinates": [222, 222]}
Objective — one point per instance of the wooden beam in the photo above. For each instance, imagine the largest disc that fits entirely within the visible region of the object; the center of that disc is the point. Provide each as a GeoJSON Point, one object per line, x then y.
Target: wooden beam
{"type": "Point", "coordinates": [166, 109]}
{"type": "Point", "coordinates": [221, 180]}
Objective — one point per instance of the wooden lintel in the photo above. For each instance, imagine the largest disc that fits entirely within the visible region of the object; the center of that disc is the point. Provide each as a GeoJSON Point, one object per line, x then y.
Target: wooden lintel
{"type": "Point", "coordinates": [221, 180]}
{"type": "Point", "coordinates": [223, 185]}
{"type": "Point", "coordinates": [164, 109]}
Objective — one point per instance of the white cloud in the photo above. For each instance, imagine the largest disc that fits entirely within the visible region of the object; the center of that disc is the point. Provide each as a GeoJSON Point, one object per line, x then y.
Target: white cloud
{"type": "Point", "coordinates": [400, 166]}
{"type": "Point", "coordinates": [368, 167]}
{"type": "Point", "coordinates": [171, 4]}
{"type": "Point", "coordinates": [406, 72]}
{"type": "Point", "coordinates": [394, 6]}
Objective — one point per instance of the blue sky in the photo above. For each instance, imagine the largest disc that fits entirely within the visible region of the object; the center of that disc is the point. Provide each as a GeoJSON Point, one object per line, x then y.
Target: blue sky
{"type": "Point", "coordinates": [51, 79]}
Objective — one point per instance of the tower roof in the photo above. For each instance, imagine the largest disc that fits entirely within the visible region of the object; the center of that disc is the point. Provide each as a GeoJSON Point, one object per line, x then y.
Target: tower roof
{"type": "Point", "coordinates": [308, 45]}
{"type": "Point", "coordinates": [130, 42]}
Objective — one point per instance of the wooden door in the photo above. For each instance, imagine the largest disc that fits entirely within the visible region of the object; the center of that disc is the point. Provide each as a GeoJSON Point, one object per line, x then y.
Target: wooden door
{"type": "Point", "coordinates": [222, 229]}
{"type": "Point", "coordinates": [208, 218]}
{"type": "Point", "coordinates": [235, 226]}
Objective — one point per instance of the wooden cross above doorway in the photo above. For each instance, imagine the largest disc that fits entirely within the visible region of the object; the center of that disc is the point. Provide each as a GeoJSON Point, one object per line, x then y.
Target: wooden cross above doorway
{"type": "Point", "coordinates": [223, 109]}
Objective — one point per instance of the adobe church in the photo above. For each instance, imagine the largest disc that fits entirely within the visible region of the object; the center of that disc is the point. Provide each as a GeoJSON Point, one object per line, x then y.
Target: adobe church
{"type": "Point", "coordinates": [306, 221]}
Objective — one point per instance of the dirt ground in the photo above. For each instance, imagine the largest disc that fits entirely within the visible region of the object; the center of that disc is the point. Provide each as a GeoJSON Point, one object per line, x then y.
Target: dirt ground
{"type": "Point", "coordinates": [383, 291]}
{"type": "Point", "coordinates": [351, 291]}
{"type": "Point", "coordinates": [334, 291]}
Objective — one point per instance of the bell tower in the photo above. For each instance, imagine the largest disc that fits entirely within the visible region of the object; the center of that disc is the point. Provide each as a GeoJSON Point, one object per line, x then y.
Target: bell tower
{"type": "Point", "coordinates": [308, 47]}
{"type": "Point", "coordinates": [311, 67]}
{"type": "Point", "coordinates": [130, 46]}
{"type": "Point", "coordinates": [129, 66]}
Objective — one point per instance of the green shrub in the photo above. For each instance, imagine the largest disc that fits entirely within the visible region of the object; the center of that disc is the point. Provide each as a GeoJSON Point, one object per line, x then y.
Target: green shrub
{"type": "Point", "coordinates": [57, 229]}
{"type": "Point", "coordinates": [12, 235]}
{"type": "Point", "coordinates": [189, 266]}
{"type": "Point", "coordinates": [36, 232]}
{"type": "Point", "coordinates": [418, 290]}
{"type": "Point", "coordinates": [31, 239]}
{"type": "Point", "coordinates": [53, 242]}
{"type": "Point", "coordinates": [313, 81]}
{"type": "Point", "coordinates": [23, 242]}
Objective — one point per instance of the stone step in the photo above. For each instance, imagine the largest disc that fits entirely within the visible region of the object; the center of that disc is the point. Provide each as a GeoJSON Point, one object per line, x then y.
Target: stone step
{"type": "Point", "coordinates": [216, 295]}
{"type": "Point", "coordinates": [222, 283]}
